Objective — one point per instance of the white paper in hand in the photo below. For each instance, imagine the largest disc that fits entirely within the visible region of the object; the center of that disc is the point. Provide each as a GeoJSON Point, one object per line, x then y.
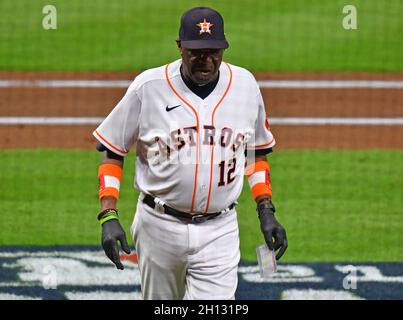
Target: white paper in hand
{"type": "Point", "coordinates": [267, 261]}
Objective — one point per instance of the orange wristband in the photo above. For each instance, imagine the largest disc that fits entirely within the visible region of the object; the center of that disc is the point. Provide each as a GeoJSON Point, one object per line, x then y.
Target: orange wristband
{"type": "Point", "coordinates": [109, 176]}
{"type": "Point", "coordinates": [258, 175]}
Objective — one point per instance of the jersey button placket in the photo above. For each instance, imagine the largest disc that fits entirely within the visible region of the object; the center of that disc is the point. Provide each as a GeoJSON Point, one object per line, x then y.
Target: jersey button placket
{"type": "Point", "coordinates": [204, 161]}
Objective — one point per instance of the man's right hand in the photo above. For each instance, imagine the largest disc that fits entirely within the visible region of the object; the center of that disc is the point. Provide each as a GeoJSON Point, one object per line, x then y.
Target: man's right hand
{"type": "Point", "coordinates": [112, 231]}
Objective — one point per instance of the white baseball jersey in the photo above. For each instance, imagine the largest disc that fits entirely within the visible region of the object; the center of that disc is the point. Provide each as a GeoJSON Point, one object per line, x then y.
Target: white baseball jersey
{"type": "Point", "coordinates": [190, 151]}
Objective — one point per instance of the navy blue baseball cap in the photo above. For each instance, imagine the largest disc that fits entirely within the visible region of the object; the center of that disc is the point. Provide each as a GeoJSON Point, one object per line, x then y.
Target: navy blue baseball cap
{"type": "Point", "coordinates": [202, 28]}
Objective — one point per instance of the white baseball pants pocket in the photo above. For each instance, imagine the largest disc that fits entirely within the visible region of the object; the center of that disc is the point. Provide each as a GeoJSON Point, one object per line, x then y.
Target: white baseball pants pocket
{"type": "Point", "coordinates": [179, 260]}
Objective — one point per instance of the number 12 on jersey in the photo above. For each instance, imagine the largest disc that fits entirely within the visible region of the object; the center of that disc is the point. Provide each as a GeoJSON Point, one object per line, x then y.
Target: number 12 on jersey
{"type": "Point", "coordinates": [231, 165]}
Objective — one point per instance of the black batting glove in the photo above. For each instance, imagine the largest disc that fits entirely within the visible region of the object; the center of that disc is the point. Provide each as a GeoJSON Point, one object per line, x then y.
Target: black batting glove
{"type": "Point", "coordinates": [112, 231]}
{"type": "Point", "coordinates": [271, 228]}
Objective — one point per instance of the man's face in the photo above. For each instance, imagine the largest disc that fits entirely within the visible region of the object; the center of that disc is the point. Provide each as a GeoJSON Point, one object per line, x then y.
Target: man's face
{"type": "Point", "coordinates": [201, 65]}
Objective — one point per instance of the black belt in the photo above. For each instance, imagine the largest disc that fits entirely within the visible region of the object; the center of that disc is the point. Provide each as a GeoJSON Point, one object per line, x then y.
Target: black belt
{"type": "Point", "coordinates": [197, 218]}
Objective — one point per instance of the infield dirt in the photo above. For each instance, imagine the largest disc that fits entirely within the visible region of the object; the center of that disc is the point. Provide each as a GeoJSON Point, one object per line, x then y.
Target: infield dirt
{"type": "Point", "coordinates": [280, 102]}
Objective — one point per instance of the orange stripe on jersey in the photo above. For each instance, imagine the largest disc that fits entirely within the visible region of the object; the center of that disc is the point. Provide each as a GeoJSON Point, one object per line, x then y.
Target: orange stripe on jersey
{"type": "Point", "coordinates": [266, 124]}
{"type": "Point", "coordinates": [266, 144]}
{"type": "Point", "coordinates": [225, 93]}
{"type": "Point", "coordinates": [212, 147]}
{"type": "Point", "coordinates": [179, 96]}
{"type": "Point", "coordinates": [108, 143]}
{"type": "Point", "coordinates": [197, 135]}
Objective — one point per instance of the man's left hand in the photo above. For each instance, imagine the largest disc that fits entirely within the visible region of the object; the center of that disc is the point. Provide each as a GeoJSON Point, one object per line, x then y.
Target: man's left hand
{"type": "Point", "coordinates": [271, 228]}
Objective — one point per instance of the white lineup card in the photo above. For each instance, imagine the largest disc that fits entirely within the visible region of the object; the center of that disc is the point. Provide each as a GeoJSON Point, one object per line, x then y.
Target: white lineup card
{"type": "Point", "coordinates": [267, 261]}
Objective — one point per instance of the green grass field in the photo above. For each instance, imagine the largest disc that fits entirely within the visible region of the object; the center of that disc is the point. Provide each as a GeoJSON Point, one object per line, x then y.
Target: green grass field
{"type": "Point", "coordinates": [335, 205]}
{"type": "Point", "coordinates": [289, 35]}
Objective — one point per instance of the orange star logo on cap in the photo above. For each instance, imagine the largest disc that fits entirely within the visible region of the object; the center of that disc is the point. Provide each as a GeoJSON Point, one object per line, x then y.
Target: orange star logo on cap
{"type": "Point", "coordinates": [205, 26]}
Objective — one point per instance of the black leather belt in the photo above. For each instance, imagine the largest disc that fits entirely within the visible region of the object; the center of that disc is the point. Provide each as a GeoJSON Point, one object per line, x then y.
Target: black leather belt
{"type": "Point", "coordinates": [196, 218]}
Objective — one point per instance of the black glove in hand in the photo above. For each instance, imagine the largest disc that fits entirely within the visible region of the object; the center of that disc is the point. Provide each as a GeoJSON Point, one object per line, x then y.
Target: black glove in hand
{"type": "Point", "coordinates": [271, 228]}
{"type": "Point", "coordinates": [111, 232]}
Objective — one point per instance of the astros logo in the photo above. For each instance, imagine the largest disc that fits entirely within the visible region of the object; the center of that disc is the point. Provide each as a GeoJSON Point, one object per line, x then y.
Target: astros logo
{"type": "Point", "coordinates": [205, 26]}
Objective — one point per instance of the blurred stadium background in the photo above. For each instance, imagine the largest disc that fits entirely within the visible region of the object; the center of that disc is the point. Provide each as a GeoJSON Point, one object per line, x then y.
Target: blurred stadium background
{"type": "Point", "coordinates": [334, 97]}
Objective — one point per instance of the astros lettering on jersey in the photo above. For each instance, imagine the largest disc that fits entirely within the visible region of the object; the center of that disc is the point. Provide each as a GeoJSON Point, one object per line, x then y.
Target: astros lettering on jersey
{"type": "Point", "coordinates": [190, 151]}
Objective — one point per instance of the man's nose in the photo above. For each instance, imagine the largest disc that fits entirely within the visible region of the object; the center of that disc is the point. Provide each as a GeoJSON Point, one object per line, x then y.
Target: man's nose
{"type": "Point", "coordinates": [205, 56]}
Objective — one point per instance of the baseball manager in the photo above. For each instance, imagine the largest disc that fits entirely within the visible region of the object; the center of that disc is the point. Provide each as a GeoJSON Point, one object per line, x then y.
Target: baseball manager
{"type": "Point", "coordinates": [199, 125]}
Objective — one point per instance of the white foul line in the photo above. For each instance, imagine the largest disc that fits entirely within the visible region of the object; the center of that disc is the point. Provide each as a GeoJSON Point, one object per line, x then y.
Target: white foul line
{"type": "Point", "coordinates": [65, 83]}
{"type": "Point", "coordinates": [50, 120]}
{"type": "Point", "coordinates": [336, 121]}
{"type": "Point", "coordinates": [331, 84]}
{"type": "Point", "coordinates": [273, 121]}
{"type": "Point", "coordinates": [282, 84]}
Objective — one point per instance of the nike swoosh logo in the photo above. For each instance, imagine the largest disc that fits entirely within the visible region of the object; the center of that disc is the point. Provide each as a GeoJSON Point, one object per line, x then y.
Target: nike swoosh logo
{"type": "Point", "coordinates": [171, 108]}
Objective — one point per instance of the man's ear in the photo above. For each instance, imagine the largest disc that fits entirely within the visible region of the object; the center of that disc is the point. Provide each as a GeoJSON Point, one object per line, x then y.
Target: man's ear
{"type": "Point", "coordinates": [178, 43]}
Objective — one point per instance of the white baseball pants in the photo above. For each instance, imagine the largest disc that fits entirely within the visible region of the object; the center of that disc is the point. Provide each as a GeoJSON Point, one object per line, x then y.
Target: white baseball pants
{"type": "Point", "coordinates": [180, 260]}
